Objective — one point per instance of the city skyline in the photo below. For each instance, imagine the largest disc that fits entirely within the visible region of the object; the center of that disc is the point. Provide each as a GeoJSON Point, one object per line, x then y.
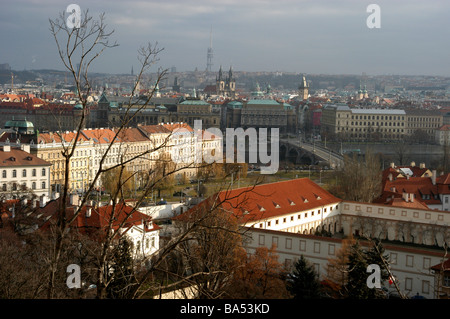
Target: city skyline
{"type": "Point", "coordinates": [284, 36]}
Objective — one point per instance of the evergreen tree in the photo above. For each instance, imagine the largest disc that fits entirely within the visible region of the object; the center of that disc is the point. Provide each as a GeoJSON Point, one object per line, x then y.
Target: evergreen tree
{"type": "Point", "coordinates": [356, 286]}
{"type": "Point", "coordinates": [358, 261]}
{"type": "Point", "coordinates": [376, 255]}
{"type": "Point", "coordinates": [303, 281]}
{"type": "Point", "coordinates": [122, 274]}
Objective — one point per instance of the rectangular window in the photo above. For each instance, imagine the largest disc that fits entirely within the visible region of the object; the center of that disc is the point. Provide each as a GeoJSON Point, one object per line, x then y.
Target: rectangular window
{"type": "Point", "coordinates": [317, 247]}
{"type": "Point", "coordinates": [275, 241]}
{"type": "Point", "coordinates": [408, 284]}
{"type": "Point", "coordinates": [393, 258]}
{"type": "Point", "coordinates": [446, 281]}
{"type": "Point", "coordinates": [331, 249]}
{"type": "Point", "coordinates": [426, 263]}
{"type": "Point", "coordinates": [409, 261]}
{"type": "Point", "coordinates": [302, 245]}
{"type": "Point", "coordinates": [261, 240]}
{"type": "Point", "coordinates": [288, 243]}
{"type": "Point", "coordinates": [425, 287]}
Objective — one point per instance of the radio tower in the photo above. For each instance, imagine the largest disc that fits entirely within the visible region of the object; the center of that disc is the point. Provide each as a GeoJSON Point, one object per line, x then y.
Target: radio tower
{"type": "Point", "coordinates": [209, 56]}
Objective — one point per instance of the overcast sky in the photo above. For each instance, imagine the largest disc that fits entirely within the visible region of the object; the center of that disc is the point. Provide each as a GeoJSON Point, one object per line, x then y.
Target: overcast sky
{"type": "Point", "coordinates": [311, 36]}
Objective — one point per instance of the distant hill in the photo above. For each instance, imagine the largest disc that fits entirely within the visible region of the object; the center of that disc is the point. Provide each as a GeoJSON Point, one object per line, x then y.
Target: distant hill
{"type": "Point", "coordinates": [19, 76]}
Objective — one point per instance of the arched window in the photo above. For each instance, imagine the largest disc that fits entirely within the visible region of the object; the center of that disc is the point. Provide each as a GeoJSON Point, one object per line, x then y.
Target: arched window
{"type": "Point", "coordinates": [4, 173]}
{"type": "Point", "coordinates": [24, 173]}
{"type": "Point", "coordinates": [14, 174]}
{"type": "Point", "coordinates": [43, 172]}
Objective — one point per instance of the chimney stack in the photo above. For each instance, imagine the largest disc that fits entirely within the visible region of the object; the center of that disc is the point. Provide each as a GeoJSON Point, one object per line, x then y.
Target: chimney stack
{"type": "Point", "coordinates": [405, 196]}
{"type": "Point", "coordinates": [88, 212]}
{"type": "Point", "coordinates": [43, 201]}
{"type": "Point", "coordinates": [422, 165]}
{"type": "Point", "coordinates": [25, 147]}
{"type": "Point", "coordinates": [392, 165]}
{"type": "Point", "coordinates": [413, 164]}
{"type": "Point", "coordinates": [433, 177]}
{"type": "Point", "coordinates": [6, 148]}
{"type": "Point", "coordinates": [73, 199]}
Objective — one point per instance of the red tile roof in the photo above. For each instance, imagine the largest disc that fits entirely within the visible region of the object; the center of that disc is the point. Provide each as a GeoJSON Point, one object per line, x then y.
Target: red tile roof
{"type": "Point", "coordinates": [250, 204]}
{"type": "Point", "coordinates": [132, 135]}
{"type": "Point", "coordinates": [124, 217]}
{"type": "Point", "coordinates": [153, 129]}
{"type": "Point", "coordinates": [101, 135]}
{"type": "Point", "coordinates": [17, 157]}
{"type": "Point", "coordinates": [176, 126]}
{"type": "Point", "coordinates": [420, 184]}
{"type": "Point", "coordinates": [442, 266]}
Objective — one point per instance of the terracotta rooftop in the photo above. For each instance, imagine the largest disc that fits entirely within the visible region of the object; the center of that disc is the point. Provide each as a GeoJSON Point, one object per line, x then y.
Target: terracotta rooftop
{"type": "Point", "coordinates": [99, 217]}
{"type": "Point", "coordinates": [18, 157]}
{"type": "Point", "coordinates": [250, 204]}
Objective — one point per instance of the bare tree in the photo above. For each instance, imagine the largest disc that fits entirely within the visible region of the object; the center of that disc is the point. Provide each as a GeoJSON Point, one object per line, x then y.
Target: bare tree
{"type": "Point", "coordinates": [359, 179]}
{"type": "Point", "coordinates": [79, 48]}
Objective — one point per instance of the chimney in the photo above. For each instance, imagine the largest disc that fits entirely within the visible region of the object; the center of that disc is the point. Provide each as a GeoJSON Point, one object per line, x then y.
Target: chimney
{"type": "Point", "coordinates": [88, 212]}
{"type": "Point", "coordinates": [43, 201]}
{"type": "Point", "coordinates": [73, 199]}
{"type": "Point", "coordinates": [405, 196]}
{"type": "Point", "coordinates": [6, 148]}
{"type": "Point", "coordinates": [392, 165]}
{"type": "Point", "coordinates": [422, 165]}
{"type": "Point", "coordinates": [390, 177]}
{"type": "Point", "coordinates": [411, 197]}
{"type": "Point", "coordinates": [25, 147]}
{"type": "Point", "coordinates": [433, 177]}
{"type": "Point", "coordinates": [413, 164]}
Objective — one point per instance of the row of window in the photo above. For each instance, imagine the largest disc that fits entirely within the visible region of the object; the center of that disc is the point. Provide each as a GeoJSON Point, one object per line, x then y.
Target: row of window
{"type": "Point", "coordinates": [378, 117]}
{"type": "Point", "coordinates": [292, 218]}
{"type": "Point", "coordinates": [24, 173]}
{"type": "Point", "coordinates": [16, 187]}
{"type": "Point", "coordinates": [379, 124]}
